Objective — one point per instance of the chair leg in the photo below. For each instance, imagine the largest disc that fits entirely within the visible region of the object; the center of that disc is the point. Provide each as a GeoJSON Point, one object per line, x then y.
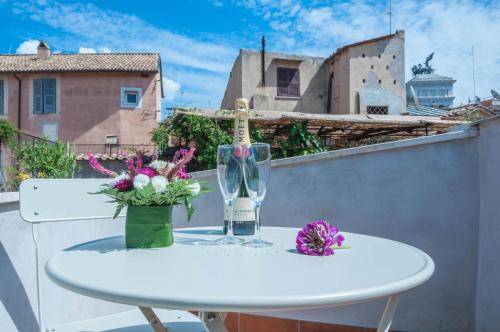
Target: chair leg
{"type": "Point", "coordinates": [153, 319]}
{"type": "Point", "coordinates": [388, 315]}
{"type": "Point", "coordinates": [214, 321]}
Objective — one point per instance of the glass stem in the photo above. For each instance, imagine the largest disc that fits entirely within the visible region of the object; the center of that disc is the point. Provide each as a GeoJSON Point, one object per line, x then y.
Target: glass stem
{"type": "Point", "coordinates": [230, 232]}
{"type": "Point", "coordinates": [257, 222]}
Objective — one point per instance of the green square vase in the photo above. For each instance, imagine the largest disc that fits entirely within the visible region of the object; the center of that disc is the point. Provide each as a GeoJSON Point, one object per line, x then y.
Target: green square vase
{"type": "Point", "coordinates": [149, 227]}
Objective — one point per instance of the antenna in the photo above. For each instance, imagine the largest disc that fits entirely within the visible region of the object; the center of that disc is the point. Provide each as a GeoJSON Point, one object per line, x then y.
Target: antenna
{"type": "Point", "coordinates": [473, 73]}
{"type": "Point", "coordinates": [390, 16]}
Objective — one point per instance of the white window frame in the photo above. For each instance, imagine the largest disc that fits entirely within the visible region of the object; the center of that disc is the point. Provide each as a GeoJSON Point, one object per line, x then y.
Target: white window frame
{"type": "Point", "coordinates": [123, 97]}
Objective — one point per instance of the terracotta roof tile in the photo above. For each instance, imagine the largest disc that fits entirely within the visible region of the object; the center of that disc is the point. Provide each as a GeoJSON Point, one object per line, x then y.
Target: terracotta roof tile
{"type": "Point", "coordinates": [110, 62]}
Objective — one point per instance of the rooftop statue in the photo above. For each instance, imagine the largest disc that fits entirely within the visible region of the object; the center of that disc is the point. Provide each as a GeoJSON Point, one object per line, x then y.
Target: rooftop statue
{"type": "Point", "coordinates": [426, 69]}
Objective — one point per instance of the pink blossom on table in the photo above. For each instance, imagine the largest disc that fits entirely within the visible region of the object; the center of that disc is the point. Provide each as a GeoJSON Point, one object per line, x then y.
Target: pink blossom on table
{"type": "Point", "coordinates": [123, 185]}
{"type": "Point", "coordinates": [146, 170]}
{"type": "Point", "coordinates": [317, 239]}
{"type": "Point", "coordinates": [96, 165]}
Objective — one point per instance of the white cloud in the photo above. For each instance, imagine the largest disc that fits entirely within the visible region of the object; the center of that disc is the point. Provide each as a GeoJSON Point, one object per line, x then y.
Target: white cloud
{"type": "Point", "coordinates": [448, 27]}
{"type": "Point", "coordinates": [170, 88]}
{"type": "Point", "coordinates": [28, 47]}
{"type": "Point", "coordinates": [87, 50]}
{"type": "Point", "coordinates": [93, 50]}
{"type": "Point", "coordinates": [104, 50]}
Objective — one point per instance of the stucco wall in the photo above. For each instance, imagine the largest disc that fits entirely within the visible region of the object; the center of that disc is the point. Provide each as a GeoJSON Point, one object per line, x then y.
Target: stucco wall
{"type": "Point", "coordinates": [88, 107]}
{"type": "Point", "coordinates": [425, 192]}
{"type": "Point", "coordinates": [234, 85]}
{"type": "Point", "coordinates": [383, 59]}
{"type": "Point", "coordinates": [313, 83]}
{"type": "Point", "coordinates": [488, 293]}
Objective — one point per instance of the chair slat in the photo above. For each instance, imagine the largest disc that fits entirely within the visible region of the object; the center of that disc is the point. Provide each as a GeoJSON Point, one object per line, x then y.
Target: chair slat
{"type": "Point", "coordinates": [50, 200]}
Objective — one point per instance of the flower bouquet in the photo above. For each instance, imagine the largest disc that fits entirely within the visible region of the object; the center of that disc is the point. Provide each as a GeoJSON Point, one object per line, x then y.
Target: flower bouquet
{"type": "Point", "coordinates": [150, 191]}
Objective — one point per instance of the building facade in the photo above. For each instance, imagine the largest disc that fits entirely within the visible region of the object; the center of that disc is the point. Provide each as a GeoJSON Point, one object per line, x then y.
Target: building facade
{"type": "Point", "coordinates": [282, 82]}
{"type": "Point", "coordinates": [431, 90]}
{"type": "Point", "coordinates": [82, 98]}
{"type": "Point", "coordinates": [365, 77]}
{"type": "Point", "coordinates": [368, 77]}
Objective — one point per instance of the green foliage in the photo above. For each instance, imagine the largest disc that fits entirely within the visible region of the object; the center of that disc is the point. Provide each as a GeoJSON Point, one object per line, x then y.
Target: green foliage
{"type": "Point", "coordinates": [7, 131]}
{"type": "Point", "coordinates": [207, 134]}
{"type": "Point", "coordinates": [176, 192]}
{"type": "Point", "coordinates": [42, 159]}
{"type": "Point", "coordinates": [299, 142]}
{"type": "Point", "coordinates": [370, 141]}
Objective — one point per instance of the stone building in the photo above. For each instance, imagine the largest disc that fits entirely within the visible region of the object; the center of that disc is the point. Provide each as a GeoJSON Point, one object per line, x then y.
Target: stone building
{"type": "Point", "coordinates": [432, 90]}
{"type": "Point", "coordinates": [283, 82]}
{"type": "Point", "coordinates": [365, 77]}
{"type": "Point", "coordinates": [369, 77]}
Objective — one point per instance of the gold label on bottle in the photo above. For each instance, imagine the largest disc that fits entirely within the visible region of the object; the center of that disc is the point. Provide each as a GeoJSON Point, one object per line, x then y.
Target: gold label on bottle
{"type": "Point", "coordinates": [243, 210]}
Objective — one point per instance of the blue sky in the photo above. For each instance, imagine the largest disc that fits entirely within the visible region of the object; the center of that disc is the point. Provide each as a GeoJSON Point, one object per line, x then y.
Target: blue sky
{"type": "Point", "coordinates": [199, 40]}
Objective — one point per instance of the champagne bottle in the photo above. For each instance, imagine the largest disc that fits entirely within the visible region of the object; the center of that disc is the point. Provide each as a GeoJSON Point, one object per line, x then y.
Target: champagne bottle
{"type": "Point", "coordinates": [243, 213]}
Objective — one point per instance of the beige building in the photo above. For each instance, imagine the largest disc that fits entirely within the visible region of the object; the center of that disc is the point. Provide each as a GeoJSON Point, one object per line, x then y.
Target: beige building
{"type": "Point", "coordinates": [365, 77]}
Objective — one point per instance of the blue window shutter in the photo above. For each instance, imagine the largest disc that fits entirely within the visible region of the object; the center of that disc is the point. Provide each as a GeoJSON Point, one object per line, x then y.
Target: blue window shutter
{"type": "Point", "coordinates": [2, 111]}
{"type": "Point", "coordinates": [37, 96]}
{"type": "Point", "coordinates": [49, 95]}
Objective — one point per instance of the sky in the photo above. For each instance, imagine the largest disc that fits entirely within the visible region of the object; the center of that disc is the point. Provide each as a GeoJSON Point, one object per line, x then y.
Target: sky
{"type": "Point", "coordinates": [199, 39]}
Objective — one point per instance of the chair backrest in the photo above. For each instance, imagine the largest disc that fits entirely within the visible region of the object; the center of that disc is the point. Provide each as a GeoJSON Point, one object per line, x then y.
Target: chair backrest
{"type": "Point", "coordinates": [49, 200]}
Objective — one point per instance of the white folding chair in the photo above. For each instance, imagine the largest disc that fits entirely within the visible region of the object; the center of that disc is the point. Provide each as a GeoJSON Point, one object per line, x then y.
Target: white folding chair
{"type": "Point", "coordinates": [54, 200]}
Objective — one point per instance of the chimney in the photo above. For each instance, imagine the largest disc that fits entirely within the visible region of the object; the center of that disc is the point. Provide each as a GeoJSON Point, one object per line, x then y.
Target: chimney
{"type": "Point", "coordinates": [42, 51]}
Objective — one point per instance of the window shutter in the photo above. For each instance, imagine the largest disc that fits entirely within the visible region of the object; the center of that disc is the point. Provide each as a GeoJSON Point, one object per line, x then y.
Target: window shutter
{"type": "Point", "coordinates": [37, 96]}
{"type": "Point", "coordinates": [2, 111]}
{"type": "Point", "coordinates": [49, 95]}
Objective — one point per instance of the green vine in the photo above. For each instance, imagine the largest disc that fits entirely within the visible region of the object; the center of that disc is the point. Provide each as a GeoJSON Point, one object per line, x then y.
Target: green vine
{"type": "Point", "coordinates": [7, 131]}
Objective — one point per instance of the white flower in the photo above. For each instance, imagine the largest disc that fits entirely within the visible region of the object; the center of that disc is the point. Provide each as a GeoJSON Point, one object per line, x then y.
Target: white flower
{"type": "Point", "coordinates": [122, 176]}
{"type": "Point", "coordinates": [159, 183]}
{"type": "Point", "coordinates": [158, 165]}
{"type": "Point", "coordinates": [194, 188]}
{"type": "Point", "coordinates": [140, 181]}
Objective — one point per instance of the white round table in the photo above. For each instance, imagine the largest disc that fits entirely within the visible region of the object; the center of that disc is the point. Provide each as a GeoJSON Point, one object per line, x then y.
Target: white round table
{"type": "Point", "coordinates": [239, 279]}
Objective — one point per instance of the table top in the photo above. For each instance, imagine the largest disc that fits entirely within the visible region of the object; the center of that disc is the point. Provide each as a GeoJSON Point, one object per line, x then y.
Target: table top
{"type": "Point", "coordinates": [236, 278]}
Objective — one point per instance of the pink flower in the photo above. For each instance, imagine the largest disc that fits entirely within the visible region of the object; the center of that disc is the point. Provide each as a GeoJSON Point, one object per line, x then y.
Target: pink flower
{"type": "Point", "coordinates": [123, 185]}
{"type": "Point", "coordinates": [182, 174]}
{"type": "Point", "coordinates": [149, 171]}
{"type": "Point", "coordinates": [317, 239]}
{"type": "Point", "coordinates": [94, 163]}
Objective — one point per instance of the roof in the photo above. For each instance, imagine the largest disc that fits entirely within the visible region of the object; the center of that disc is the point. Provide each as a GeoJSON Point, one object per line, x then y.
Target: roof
{"type": "Point", "coordinates": [425, 110]}
{"type": "Point", "coordinates": [368, 41]}
{"type": "Point", "coordinates": [100, 62]}
{"type": "Point", "coordinates": [340, 128]}
{"type": "Point", "coordinates": [430, 77]}
{"type": "Point", "coordinates": [461, 111]}
{"type": "Point", "coordinates": [284, 56]}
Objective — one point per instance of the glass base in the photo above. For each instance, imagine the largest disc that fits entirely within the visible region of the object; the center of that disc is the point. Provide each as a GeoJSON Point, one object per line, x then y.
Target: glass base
{"type": "Point", "coordinates": [229, 240]}
{"type": "Point", "coordinates": [257, 243]}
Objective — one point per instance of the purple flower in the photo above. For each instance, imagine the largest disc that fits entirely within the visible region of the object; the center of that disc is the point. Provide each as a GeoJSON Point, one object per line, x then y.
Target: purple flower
{"type": "Point", "coordinates": [317, 239]}
{"type": "Point", "coordinates": [123, 185]}
{"type": "Point", "coordinates": [149, 171]}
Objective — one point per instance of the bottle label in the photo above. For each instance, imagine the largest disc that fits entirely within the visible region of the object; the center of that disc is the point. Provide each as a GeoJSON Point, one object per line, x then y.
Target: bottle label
{"type": "Point", "coordinates": [243, 210]}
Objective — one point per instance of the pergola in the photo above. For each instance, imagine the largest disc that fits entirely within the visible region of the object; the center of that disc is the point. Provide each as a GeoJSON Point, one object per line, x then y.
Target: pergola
{"type": "Point", "coordinates": [338, 130]}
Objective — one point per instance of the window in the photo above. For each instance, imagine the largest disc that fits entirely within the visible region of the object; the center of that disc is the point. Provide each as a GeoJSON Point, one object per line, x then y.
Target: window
{"type": "Point", "coordinates": [387, 67]}
{"type": "Point", "coordinates": [364, 80]}
{"type": "Point", "coordinates": [363, 55]}
{"type": "Point", "coordinates": [394, 56]}
{"type": "Point", "coordinates": [394, 82]}
{"type": "Point", "coordinates": [2, 97]}
{"type": "Point", "coordinates": [379, 55]}
{"type": "Point", "coordinates": [131, 97]}
{"type": "Point", "coordinates": [377, 110]}
{"type": "Point", "coordinates": [371, 66]}
{"type": "Point", "coordinates": [44, 95]}
{"type": "Point", "coordinates": [288, 82]}
{"type": "Point", "coordinates": [379, 81]}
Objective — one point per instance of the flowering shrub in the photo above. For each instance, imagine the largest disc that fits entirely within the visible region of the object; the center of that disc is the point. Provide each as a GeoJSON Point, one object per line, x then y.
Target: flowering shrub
{"type": "Point", "coordinates": [317, 239]}
{"type": "Point", "coordinates": [158, 183]}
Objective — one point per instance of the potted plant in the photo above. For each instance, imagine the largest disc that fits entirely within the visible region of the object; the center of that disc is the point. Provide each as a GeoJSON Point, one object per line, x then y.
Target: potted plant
{"type": "Point", "coordinates": [149, 191]}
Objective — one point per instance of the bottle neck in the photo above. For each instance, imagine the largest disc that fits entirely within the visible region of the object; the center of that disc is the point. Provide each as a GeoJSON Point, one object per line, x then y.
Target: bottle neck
{"type": "Point", "coordinates": [241, 131]}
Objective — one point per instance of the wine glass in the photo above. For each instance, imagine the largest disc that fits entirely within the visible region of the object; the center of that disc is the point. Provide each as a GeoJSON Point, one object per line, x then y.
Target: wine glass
{"type": "Point", "coordinates": [256, 171]}
{"type": "Point", "coordinates": [229, 174]}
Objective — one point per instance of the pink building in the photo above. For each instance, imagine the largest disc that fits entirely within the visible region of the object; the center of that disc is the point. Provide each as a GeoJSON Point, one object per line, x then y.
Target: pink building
{"type": "Point", "coordinates": [82, 98]}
